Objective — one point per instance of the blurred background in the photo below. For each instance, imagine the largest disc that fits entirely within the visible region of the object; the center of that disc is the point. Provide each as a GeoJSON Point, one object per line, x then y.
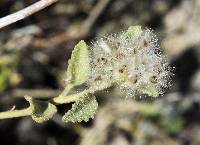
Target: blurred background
{"type": "Point", "coordinates": [33, 59]}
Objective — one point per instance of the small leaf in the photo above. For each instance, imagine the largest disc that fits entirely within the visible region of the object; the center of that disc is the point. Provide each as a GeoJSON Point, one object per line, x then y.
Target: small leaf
{"type": "Point", "coordinates": [41, 110]}
{"type": "Point", "coordinates": [134, 31]}
{"type": "Point", "coordinates": [82, 110]}
{"type": "Point", "coordinates": [148, 89]}
{"type": "Point", "coordinates": [79, 64]}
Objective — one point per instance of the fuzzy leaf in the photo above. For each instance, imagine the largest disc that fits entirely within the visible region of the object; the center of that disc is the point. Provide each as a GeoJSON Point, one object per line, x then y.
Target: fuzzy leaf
{"type": "Point", "coordinates": [148, 89]}
{"type": "Point", "coordinates": [82, 110]}
{"type": "Point", "coordinates": [41, 110]}
{"type": "Point", "coordinates": [134, 31]}
{"type": "Point", "coordinates": [79, 64]}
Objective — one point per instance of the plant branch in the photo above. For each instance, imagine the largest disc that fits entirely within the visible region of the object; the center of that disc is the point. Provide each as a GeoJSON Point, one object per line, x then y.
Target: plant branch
{"type": "Point", "coordinates": [15, 113]}
{"type": "Point", "coordinates": [61, 99]}
{"type": "Point", "coordinates": [77, 33]}
{"type": "Point", "coordinates": [35, 93]}
{"type": "Point", "coordinates": [12, 18]}
{"type": "Point", "coordinates": [64, 98]}
{"type": "Point", "coordinates": [94, 15]}
{"type": "Point", "coordinates": [69, 98]}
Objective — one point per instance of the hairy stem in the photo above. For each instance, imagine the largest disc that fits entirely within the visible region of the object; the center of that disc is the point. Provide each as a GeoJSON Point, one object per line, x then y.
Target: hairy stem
{"type": "Point", "coordinates": [12, 18]}
{"type": "Point", "coordinates": [69, 98]}
{"type": "Point", "coordinates": [65, 98]}
{"type": "Point", "coordinates": [15, 113]}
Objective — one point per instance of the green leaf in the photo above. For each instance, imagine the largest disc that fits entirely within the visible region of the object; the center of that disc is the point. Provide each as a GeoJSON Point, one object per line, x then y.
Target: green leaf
{"type": "Point", "coordinates": [79, 64]}
{"type": "Point", "coordinates": [82, 110]}
{"type": "Point", "coordinates": [134, 31]}
{"type": "Point", "coordinates": [148, 89]}
{"type": "Point", "coordinates": [41, 110]}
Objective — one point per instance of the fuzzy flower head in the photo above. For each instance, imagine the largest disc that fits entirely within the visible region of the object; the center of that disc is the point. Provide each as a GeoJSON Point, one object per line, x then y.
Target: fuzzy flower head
{"type": "Point", "coordinates": [132, 60]}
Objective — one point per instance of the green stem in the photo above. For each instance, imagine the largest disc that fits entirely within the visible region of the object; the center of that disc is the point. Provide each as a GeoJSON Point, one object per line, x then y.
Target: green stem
{"type": "Point", "coordinates": [69, 98]}
{"type": "Point", "coordinates": [65, 98]}
{"type": "Point", "coordinates": [58, 100]}
{"type": "Point", "coordinates": [61, 99]}
{"type": "Point", "coordinates": [15, 113]}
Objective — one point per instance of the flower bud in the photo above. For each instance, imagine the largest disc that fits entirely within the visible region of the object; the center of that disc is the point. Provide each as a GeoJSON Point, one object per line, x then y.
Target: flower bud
{"type": "Point", "coordinates": [133, 60]}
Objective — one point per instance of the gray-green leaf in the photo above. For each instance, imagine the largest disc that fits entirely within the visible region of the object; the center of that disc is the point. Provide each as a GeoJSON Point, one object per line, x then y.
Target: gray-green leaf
{"type": "Point", "coordinates": [79, 64]}
{"type": "Point", "coordinates": [41, 110]}
{"type": "Point", "coordinates": [82, 110]}
{"type": "Point", "coordinates": [134, 31]}
{"type": "Point", "coordinates": [149, 89]}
